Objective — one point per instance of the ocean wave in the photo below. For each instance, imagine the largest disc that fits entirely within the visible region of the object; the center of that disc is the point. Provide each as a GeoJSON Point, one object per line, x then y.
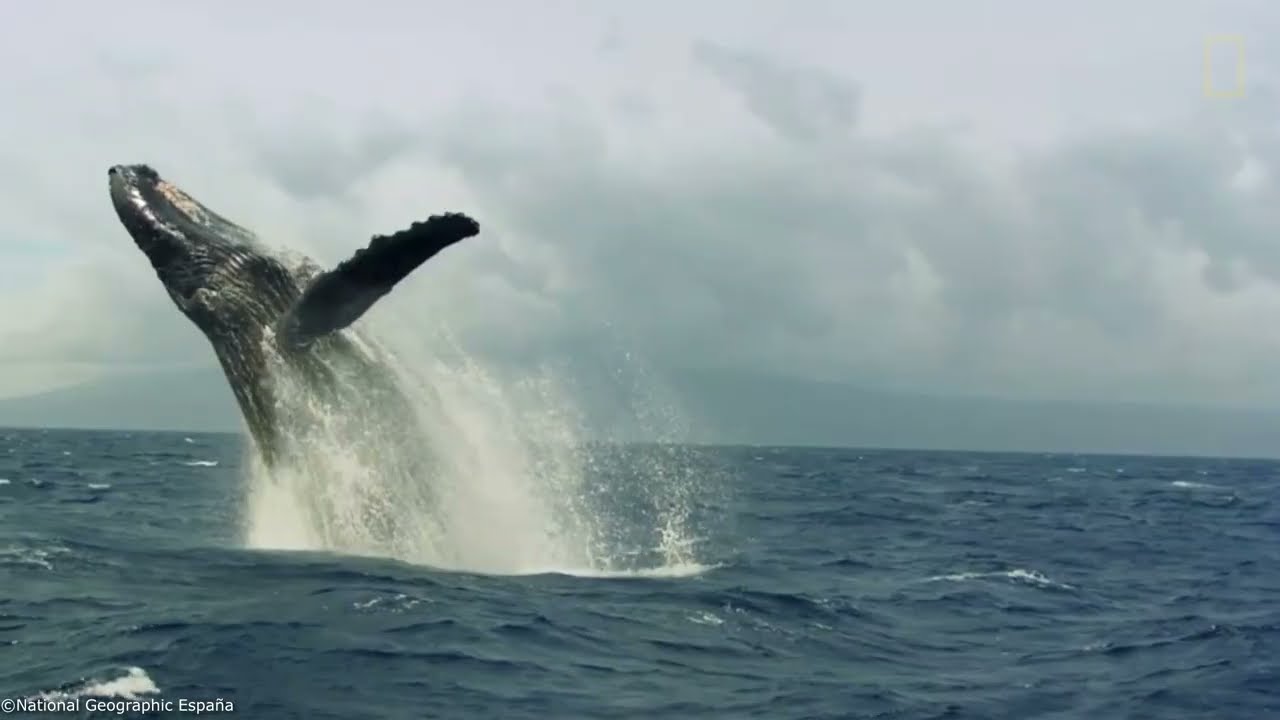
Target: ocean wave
{"type": "Point", "coordinates": [25, 555]}
{"type": "Point", "coordinates": [1189, 485]}
{"type": "Point", "coordinates": [1052, 590]}
{"type": "Point", "coordinates": [1030, 577]}
{"type": "Point", "coordinates": [673, 571]}
{"type": "Point", "coordinates": [133, 684]}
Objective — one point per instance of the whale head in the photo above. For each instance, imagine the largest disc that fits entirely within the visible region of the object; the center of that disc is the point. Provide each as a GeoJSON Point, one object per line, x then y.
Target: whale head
{"type": "Point", "coordinates": [212, 268]}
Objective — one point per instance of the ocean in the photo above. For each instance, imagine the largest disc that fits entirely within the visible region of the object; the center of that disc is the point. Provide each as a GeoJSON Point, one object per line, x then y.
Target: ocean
{"type": "Point", "coordinates": [794, 583]}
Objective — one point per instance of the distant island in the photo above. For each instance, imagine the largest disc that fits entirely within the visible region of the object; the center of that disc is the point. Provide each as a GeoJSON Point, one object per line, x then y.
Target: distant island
{"type": "Point", "coordinates": [744, 409]}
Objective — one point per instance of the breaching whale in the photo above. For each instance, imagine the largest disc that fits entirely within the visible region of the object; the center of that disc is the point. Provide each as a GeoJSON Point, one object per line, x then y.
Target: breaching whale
{"type": "Point", "coordinates": [269, 314]}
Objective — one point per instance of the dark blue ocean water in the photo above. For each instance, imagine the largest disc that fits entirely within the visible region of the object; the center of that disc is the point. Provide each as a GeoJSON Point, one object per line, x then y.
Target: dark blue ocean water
{"type": "Point", "coordinates": [840, 584]}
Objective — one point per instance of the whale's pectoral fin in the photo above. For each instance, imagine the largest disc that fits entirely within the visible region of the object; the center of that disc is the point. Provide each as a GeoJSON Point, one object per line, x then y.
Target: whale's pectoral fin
{"type": "Point", "coordinates": [338, 297]}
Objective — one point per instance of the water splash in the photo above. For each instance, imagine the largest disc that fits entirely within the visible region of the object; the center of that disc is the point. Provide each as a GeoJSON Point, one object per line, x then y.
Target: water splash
{"type": "Point", "coordinates": [131, 686]}
{"type": "Point", "coordinates": [504, 477]}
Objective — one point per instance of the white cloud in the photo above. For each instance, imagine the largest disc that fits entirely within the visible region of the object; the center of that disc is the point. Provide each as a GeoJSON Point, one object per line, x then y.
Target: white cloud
{"type": "Point", "coordinates": [718, 196]}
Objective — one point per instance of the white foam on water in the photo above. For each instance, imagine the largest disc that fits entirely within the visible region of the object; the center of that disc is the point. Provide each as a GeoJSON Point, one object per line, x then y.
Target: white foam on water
{"type": "Point", "coordinates": [1031, 577]}
{"type": "Point", "coordinates": [200, 463]}
{"type": "Point", "coordinates": [706, 618]}
{"type": "Point", "coordinates": [678, 570]}
{"type": "Point", "coordinates": [134, 683]}
{"type": "Point", "coordinates": [1188, 485]}
{"type": "Point", "coordinates": [23, 555]}
{"type": "Point", "coordinates": [397, 603]}
{"type": "Point", "coordinates": [499, 482]}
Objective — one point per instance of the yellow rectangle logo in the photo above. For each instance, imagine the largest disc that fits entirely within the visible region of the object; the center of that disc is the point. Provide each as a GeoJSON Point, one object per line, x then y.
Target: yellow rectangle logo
{"type": "Point", "coordinates": [1228, 51]}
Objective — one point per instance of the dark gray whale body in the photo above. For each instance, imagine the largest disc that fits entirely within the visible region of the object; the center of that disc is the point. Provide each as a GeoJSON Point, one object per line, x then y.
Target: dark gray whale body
{"type": "Point", "coordinates": [268, 315]}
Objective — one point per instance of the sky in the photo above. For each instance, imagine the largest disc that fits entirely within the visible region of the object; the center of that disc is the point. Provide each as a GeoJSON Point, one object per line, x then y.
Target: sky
{"type": "Point", "coordinates": [1026, 200]}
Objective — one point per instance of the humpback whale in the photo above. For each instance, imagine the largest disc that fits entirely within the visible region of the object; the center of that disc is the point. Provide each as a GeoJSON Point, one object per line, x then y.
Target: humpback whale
{"type": "Point", "coordinates": [279, 322]}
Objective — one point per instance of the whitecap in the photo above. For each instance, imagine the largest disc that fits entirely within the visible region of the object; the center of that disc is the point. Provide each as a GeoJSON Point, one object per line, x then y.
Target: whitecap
{"type": "Point", "coordinates": [1030, 577]}
{"type": "Point", "coordinates": [136, 682]}
{"type": "Point", "coordinates": [133, 683]}
{"type": "Point", "coordinates": [1035, 578]}
{"type": "Point", "coordinates": [36, 557]}
{"type": "Point", "coordinates": [673, 570]}
{"type": "Point", "coordinates": [200, 463]}
{"type": "Point", "coordinates": [1188, 485]}
{"type": "Point", "coordinates": [676, 570]}
{"type": "Point", "coordinates": [393, 603]}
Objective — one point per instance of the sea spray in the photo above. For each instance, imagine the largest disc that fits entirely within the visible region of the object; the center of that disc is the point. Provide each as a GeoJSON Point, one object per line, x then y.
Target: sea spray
{"type": "Point", "coordinates": [504, 476]}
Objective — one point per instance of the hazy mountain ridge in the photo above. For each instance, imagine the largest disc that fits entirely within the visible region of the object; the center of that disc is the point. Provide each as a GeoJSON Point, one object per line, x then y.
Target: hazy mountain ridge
{"type": "Point", "coordinates": [738, 408]}
{"type": "Point", "coordinates": [772, 410]}
{"type": "Point", "coordinates": [193, 400]}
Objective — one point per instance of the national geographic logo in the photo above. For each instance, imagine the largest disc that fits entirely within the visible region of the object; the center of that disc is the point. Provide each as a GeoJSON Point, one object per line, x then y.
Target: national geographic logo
{"type": "Point", "coordinates": [1224, 66]}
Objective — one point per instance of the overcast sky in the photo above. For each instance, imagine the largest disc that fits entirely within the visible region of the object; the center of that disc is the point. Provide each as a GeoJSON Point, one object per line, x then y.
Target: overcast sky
{"type": "Point", "coordinates": [1026, 199]}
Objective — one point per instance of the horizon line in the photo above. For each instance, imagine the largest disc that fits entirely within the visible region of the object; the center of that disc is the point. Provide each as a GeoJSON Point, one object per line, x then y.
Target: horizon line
{"type": "Point", "coordinates": [728, 445]}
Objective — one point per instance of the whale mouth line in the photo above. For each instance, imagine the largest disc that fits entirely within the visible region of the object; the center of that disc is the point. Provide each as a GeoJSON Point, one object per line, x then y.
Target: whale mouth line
{"type": "Point", "coordinates": [146, 210]}
{"type": "Point", "coordinates": [185, 243]}
{"type": "Point", "coordinates": [157, 213]}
